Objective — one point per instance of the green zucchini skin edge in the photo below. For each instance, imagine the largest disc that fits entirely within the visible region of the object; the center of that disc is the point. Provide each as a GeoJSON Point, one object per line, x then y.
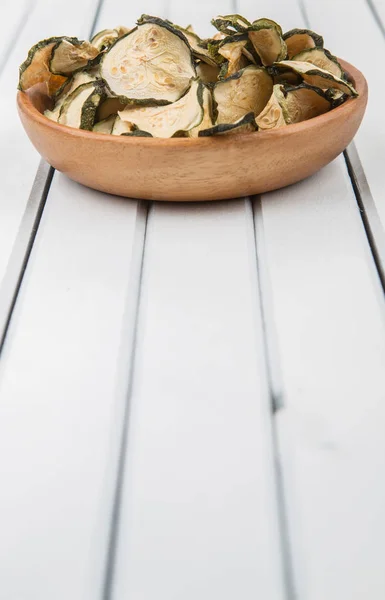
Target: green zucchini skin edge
{"type": "Point", "coordinates": [35, 48]}
{"type": "Point", "coordinates": [89, 108]}
{"type": "Point", "coordinates": [137, 133]}
{"type": "Point", "coordinates": [318, 39]}
{"type": "Point", "coordinates": [91, 63]}
{"type": "Point", "coordinates": [328, 54]}
{"type": "Point", "coordinates": [248, 119]}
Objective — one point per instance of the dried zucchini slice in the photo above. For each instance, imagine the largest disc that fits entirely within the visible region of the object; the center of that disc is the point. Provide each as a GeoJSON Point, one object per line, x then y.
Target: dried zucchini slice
{"type": "Point", "coordinates": [230, 24]}
{"type": "Point", "coordinates": [75, 81]}
{"type": "Point", "coordinates": [70, 55]}
{"type": "Point", "coordinates": [105, 38]}
{"type": "Point", "coordinates": [246, 124]}
{"type": "Point", "coordinates": [272, 115]}
{"type": "Point", "coordinates": [199, 51]}
{"type": "Point", "coordinates": [232, 49]}
{"type": "Point", "coordinates": [318, 77]}
{"type": "Point", "coordinates": [266, 37]}
{"type": "Point", "coordinates": [122, 127]}
{"type": "Point", "coordinates": [79, 108]}
{"type": "Point", "coordinates": [168, 121]}
{"type": "Point", "coordinates": [247, 91]}
{"type": "Point", "coordinates": [207, 73]}
{"type": "Point", "coordinates": [110, 106]}
{"type": "Point", "coordinates": [336, 97]}
{"type": "Point", "coordinates": [284, 76]}
{"type": "Point", "coordinates": [152, 64]}
{"type": "Point", "coordinates": [303, 102]}
{"type": "Point", "coordinates": [321, 58]}
{"type": "Point", "coordinates": [207, 119]}
{"type": "Point", "coordinates": [298, 40]}
{"type": "Point", "coordinates": [105, 126]}
{"type": "Point", "coordinates": [35, 69]}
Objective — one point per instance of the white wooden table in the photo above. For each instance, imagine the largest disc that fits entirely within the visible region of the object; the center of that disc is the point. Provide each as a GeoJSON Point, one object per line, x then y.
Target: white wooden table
{"type": "Point", "coordinates": [192, 397]}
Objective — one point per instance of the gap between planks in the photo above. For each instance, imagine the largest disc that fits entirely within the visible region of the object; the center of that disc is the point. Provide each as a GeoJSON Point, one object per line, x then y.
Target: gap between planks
{"type": "Point", "coordinates": [125, 382]}
{"type": "Point", "coordinates": [275, 386]}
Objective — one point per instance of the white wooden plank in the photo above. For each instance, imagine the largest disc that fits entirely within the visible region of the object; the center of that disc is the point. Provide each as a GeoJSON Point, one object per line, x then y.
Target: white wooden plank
{"type": "Point", "coordinates": [341, 35]}
{"type": "Point", "coordinates": [199, 516]}
{"type": "Point", "coordinates": [62, 388]}
{"type": "Point", "coordinates": [19, 160]}
{"type": "Point", "coordinates": [60, 409]}
{"type": "Point", "coordinates": [327, 305]}
{"type": "Point", "coordinates": [329, 314]}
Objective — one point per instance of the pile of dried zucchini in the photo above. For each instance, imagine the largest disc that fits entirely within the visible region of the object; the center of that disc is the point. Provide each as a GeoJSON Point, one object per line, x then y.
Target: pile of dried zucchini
{"type": "Point", "coordinates": [161, 80]}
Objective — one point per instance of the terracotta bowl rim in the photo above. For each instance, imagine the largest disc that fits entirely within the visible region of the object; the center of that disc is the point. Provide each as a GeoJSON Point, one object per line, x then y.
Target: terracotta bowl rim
{"type": "Point", "coordinates": [27, 107]}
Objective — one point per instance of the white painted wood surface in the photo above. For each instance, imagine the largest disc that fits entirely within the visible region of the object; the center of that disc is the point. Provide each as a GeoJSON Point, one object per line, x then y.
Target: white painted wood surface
{"type": "Point", "coordinates": [19, 160]}
{"type": "Point", "coordinates": [327, 310]}
{"type": "Point", "coordinates": [198, 510]}
{"type": "Point", "coordinates": [343, 35]}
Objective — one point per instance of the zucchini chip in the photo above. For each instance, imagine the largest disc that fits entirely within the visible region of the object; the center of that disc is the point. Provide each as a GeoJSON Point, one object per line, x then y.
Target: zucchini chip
{"type": "Point", "coordinates": [170, 120]}
{"type": "Point", "coordinates": [74, 82]}
{"type": "Point", "coordinates": [266, 37]}
{"type": "Point", "coordinates": [246, 124]}
{"type": "Point", "coordinates": [298, 40]}
{"type": "Point", "coordinates": [152, 64]}
{"type": "Point", "coordinates": [272, 115]}
{"type": "Point", "coordinates": [336, 97]}
{"type": "Point", "coordinates": [303, 102]}
{"type": "Point", "coordinates": [195, 42]}
{"type": "Point", "coordinates": [316, 76]}
{"type": "Point", "coordinates": [207, 119]}
{"type": "Point", "coordinates": [247, 91]}
{"type": "Point", "coordinates": [207, 73]}
{"type": "Point", "coordinates": [35, 69]}
{"type": "Point", "coordinates": [70, 55]}
{"type": "Point", "coordinates": [323, 59]}
{"type": "Point", "coordinates": [79, 108]}
{"type": "Point", "coordinates": [230, 24]}
{"type": "Point", "coordinates": [105, 126]}
{"type": "Point", "coordinates": [105, 38]}
{"type": "Point", "coordinates": [231, 48]}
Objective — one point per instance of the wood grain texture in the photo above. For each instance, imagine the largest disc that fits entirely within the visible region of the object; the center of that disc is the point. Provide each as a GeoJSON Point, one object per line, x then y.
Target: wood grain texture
{"type": "Point", "coordinates": [195, 169]}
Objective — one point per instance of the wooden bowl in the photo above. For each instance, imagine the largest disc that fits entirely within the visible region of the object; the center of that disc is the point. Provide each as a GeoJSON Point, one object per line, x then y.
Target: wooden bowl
{"type": "Point", "coordinates": [194, 169]}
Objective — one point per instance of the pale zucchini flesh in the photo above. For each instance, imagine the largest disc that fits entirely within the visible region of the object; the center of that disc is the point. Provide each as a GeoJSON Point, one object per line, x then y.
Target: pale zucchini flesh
{"type": "Point", "coordinates": [151, 64]}
{"type": "Point", "coordinates": [207, 118]}
{"type": "Point", "coordinates": [79, 108]}
{"type": "Point", "coordinates": [266, 38]}
{"type": "Point", "coordinates": [70, 55]}
{"type": "Point", "coordinates": [272, 116]}
{"type": "Point", "coordinates": [298, 40]}
{"type": "Point", "coordinates": [105, 126]}
{"type": "Point", "coordinates": [170, 120]}
{"type": "Point", "coordinates": [322, 58]}
{"type": "Point", "coordinates": [247, 91]}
